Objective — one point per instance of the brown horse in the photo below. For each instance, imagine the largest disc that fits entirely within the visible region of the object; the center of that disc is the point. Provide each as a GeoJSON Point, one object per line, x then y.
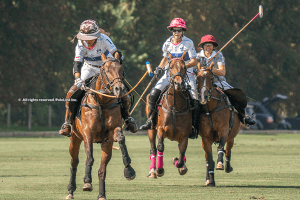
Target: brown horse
{"type": "Point", "coordinates": [100, 122]}
{"type": "Point", "coordinates": [174, 119]}
{"type": "Point", "coordinates": [219, 123]}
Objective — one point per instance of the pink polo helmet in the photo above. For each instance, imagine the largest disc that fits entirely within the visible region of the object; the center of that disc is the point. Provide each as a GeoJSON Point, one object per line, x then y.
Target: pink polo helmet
{"type": "Point", "coordinates": [177, 23]}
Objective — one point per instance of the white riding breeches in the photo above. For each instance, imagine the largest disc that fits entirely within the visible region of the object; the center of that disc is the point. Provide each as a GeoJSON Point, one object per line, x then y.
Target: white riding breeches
{"type": "Point", "coordinates": [88, 71]}
{"type": "Point", "coordinates": [223, 85]}
{"type": "Point", "coordinates": [165, 80]}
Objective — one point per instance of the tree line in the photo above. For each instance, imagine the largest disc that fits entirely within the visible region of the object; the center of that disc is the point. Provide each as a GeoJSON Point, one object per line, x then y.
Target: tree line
{"type": "Point", "coordinates": [37, 56]}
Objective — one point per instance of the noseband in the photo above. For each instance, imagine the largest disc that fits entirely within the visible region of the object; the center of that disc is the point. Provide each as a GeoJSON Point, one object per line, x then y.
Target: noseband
{"type": "Point", "coordinates": [210, 90]}
{"type": "Point", "coordinates": [110, 83]}
{"type": "Point", "coordinates": [172, 76]}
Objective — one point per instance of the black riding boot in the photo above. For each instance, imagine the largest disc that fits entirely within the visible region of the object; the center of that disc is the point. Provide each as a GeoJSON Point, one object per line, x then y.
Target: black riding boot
{"type": "Point", "coordinates": [70, 111]}
{"type": "Point", "coordinates": [239, 100]}
{"type": "Point", "coordinates": [131, 125]}
{"type": "Point", "coordinates": [153, 97]}
{"type": "Point", "coordinates": [195, 120]}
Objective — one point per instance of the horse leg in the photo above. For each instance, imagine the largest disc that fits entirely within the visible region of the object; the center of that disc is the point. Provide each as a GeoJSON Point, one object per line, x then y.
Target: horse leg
{"type": "Point", "coordinates": [220, 150]}
{"type": "Point", "coordinates": [210, 164]}
{"type": "Point", "coordinates": [229, 146]}
{"type": "Point", "coordinates": [160, 157]}
{"type": "Point", "coordinates": [129, 172]}
{"type": "Point", "coordinates": [180, 162]}
{"type": "Point", "coordinates": [88, 145]}
{"type": "Point", "coordinates": [152, 138]}
{"type": "Point", "coordinates": [105, 158]}
{"type": "Point", "coordinates": [74, 151]}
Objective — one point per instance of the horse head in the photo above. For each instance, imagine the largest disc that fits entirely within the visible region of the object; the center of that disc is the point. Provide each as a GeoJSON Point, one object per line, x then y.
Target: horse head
{"type": "Point", "coordinates": [112, 74]}
{"type": "Point", "coordinates": [205, 83]}
{"type": "Point", "coordinates": [177, 71]}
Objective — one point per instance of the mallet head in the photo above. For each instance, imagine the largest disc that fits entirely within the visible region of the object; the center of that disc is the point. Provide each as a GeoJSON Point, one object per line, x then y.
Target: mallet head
{"type": "Point", "coordinates": [149, 69]}
{"type": "Point", "coordinates": [261, 11]}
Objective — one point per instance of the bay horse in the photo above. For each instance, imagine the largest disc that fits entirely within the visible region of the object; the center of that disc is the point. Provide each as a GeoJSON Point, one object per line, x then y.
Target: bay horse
{"type": "Point", "coordinates": [219, 123]}
{"type": "Point", "coordinates": [101, 123]}
{"type": "Point", "coordinates": [174, 119]}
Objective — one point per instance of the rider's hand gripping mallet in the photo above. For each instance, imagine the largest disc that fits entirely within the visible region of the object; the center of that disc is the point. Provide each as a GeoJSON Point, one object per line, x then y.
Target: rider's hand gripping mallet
{"type": "Point", "coordinates": [260, 14]}
{"type": "Point", "coordinates": [149, 71]}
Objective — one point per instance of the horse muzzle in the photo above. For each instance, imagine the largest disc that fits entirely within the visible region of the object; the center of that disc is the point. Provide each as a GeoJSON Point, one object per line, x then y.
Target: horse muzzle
{"type": "Point", "coordinates": [119, 90]}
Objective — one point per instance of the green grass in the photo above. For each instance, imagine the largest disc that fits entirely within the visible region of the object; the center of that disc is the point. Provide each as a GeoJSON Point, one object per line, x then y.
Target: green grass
{"type": "Point", "coordinates": [264, 167]}
{"type": "Point", "coordinates": [15, 128]}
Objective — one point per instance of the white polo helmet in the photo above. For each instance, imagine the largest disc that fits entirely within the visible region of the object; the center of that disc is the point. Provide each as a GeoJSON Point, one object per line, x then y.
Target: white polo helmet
{"type": "Point", "coordinates": [89, 30]}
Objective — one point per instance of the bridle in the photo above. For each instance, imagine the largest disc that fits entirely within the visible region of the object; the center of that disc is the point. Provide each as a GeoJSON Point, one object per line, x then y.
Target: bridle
{"type": "Point", "coordinates": [172, 76]}
{"type": "Point", "coordinates": [210, 90]}
{"type": "Point", "coordinates": [110, 83]}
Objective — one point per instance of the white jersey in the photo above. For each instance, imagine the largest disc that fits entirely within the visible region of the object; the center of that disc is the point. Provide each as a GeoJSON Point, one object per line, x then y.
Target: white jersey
{"type": "Point", "coordinates": [176, 50]}
{"type": "Point", "coordinates": [92, 55]}
{"type": "Point", "coordinates": [218, 60]}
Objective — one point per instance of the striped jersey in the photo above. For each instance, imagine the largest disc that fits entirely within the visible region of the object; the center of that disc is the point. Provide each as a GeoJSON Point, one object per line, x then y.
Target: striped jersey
{"type": "Point", "coordinates": [92, 55]}
{"type": "Point", "coordinates": [176, 50]}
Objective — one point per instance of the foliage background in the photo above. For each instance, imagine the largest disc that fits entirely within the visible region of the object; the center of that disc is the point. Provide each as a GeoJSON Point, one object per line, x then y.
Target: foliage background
{"type": "Point", "coordinates": [37, 56]}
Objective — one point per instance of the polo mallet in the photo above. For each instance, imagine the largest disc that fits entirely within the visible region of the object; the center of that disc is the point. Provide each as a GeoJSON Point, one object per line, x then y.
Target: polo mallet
{"type": "Point", "coordinates": [260, 14]}
{"type": "Point", "coordinates": [149, 71]}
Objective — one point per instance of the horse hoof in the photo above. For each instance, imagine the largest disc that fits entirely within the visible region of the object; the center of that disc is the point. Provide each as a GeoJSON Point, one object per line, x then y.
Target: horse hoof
{"type": "Point", "coordinates": [70, 196]}
{"type": "Point", "coordinates": [220, 166]}
{"type": "Point", "coordinates": [152, 173]}
{"type": "Point", "coordinates": [208, 184]}
{"type": "Point", "coordinates": [101, 198]}
{"type": "Point", "coordinates": [228, 171]}
{"type": "Point", "coordinates": [160, 172]}
{"type": "Point", "coordinates": [183, 170]}
{"type": "Point", "coordinates": [87, 187]}
{"type": "Point", "coordinates": [174, 160]}
{"type": "Point", "coordinates": [129, 173]}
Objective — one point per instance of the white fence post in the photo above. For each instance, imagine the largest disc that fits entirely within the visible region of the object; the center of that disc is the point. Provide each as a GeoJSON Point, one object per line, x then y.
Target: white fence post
{"type": "Point", "coordinates": [29, 116]}
{"type": "Point", "coordinates": [140, 117]}
{"type": "Point", "coordinates": [49, 116]}
{"type": "Point", "coordinates": [8, 114]}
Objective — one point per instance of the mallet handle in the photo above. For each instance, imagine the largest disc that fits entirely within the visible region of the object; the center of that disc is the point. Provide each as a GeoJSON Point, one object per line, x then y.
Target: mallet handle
{"type": "Point", "coordinates": [233, 37]}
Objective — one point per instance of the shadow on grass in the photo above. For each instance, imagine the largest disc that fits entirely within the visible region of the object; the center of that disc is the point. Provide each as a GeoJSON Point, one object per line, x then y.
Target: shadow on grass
{"type": "Point", "coordinates": [18, 175]}
{"type": "Point", "coordinates": [240, 186]}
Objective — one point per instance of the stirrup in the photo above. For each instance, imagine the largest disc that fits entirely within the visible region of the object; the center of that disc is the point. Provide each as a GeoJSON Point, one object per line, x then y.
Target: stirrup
{"type": "Point", "coordinates": [131, 124]}
{"type": "Point", "coordinates": [147, 125]}
{"type": "Point", "coordinates": [65, 126]}
{"type": "Point", "coordinates": [248, 121]}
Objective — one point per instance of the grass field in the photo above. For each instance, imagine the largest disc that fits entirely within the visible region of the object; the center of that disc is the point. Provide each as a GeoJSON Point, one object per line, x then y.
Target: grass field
{"type": "Point", "coordinates": [264, 167]}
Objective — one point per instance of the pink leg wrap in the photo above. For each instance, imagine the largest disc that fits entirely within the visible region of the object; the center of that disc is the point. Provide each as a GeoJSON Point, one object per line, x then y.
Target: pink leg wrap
{"type": "Point", "coordinates": [184, 159]}
{"type": "Point", "coordinates": [152, 159]}
{"type": "Point", "coordinates": [160, 160]}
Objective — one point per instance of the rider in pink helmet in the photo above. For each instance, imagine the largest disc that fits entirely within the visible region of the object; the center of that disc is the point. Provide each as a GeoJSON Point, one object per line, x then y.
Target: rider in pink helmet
{"type": "Point", "coordinates": [177, 23]}
{"type": "Point", "coordinates": [176, 45]}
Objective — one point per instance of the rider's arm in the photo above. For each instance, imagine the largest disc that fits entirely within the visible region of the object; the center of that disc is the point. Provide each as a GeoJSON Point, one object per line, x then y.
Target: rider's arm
{"type": "Point", "coordinates": [163, 62]}
{"type": "Point", "coordinates": [77, 69]}
{"type": "Point", "coordinates": [221, 71]}
{"type": "Point", "coordinates": [192, 63]}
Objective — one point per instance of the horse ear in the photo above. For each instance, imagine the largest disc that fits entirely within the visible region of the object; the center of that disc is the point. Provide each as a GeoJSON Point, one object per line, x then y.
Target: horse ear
{"type": "Point", "coordinates": [170, 56]}
{"type": "Point", "coordinates": [211, 65]}
{"type": "Point", "coordinates": [183, 55]}
{"type": "Point", "coordinates": [103, 57]}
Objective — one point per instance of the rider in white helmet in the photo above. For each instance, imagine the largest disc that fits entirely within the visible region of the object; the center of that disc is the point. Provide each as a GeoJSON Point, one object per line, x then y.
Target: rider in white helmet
{"type": "Point", "coordinates": [176, 44]}
{"type": "Point", "coordinates": [208, 43]}
{"type": "Point", "coordinates": [92, 41]}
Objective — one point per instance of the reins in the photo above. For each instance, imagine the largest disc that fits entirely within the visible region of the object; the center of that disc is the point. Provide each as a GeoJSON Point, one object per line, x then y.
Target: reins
{"type": "Point", "coordinates": [111, 82]}
{"type": "Point", "coordinates": [173, 110]}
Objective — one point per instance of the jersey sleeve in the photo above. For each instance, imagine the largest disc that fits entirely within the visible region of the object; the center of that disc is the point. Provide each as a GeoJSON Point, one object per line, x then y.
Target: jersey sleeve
{"type": "Point", "coordinates": [109, 45]}
{"type": "Point", "coordinates": [79, 52]}
{"type": "Point", "coordinates": [192, 50]}
{"type": "Point", "coordinates": [220, 59]}
{"type": "Point", "coordinates": [165, 50]}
